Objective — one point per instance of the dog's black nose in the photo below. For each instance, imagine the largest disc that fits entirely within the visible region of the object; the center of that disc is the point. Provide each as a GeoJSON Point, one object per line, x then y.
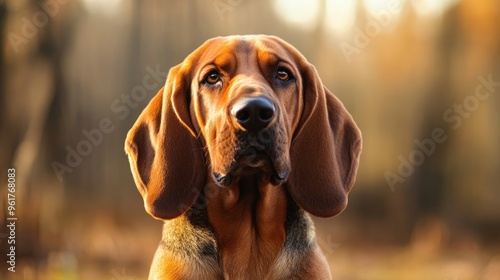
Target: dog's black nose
{"type": "Point", "coordinates": [253, 114]}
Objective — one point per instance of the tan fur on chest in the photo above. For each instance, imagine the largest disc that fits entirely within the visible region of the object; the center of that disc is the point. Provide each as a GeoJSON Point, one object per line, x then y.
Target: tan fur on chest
{"type": "Point", "coordinates": [249, 222]}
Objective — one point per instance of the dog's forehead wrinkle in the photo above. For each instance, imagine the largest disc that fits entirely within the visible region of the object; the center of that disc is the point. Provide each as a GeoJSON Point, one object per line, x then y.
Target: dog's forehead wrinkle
{"type": "Point", "coordinates": [241, 55]}
{"type": "Point", "coordinates": [271, 51]}
{"type": "Point", "coordinates": [228, 50]}
{"type": "Point", "coordinates": [242, 45]}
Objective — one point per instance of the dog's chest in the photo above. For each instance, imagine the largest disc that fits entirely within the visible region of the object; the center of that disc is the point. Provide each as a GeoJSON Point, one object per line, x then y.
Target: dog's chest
{"type": "Point", "coordinates": [243, 242]}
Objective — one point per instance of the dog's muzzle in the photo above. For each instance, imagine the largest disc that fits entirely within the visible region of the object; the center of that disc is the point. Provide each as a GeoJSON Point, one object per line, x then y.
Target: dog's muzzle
{"type": "Point", "coordinates": [256, 141]}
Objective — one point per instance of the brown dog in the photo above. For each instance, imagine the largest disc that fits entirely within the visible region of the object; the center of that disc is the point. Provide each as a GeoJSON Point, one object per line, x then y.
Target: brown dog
{"type": "Point", "coordinates": [241, 142]}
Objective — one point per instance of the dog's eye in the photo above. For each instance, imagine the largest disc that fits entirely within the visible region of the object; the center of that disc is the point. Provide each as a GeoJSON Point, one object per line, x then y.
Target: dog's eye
{"type": "Point", "coordinates": [283, 75]}
{"type": "Point", "coordinates": [212, 77]}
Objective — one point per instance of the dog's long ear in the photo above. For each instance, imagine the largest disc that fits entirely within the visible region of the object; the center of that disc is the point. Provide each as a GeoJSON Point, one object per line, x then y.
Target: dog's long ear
{"type": "Point", "coordinates": [325, 150]}
{"type": "Point", "coordinates": [165, 156]}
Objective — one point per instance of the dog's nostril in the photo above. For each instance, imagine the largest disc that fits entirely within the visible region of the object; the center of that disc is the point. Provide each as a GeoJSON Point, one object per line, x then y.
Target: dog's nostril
{"type": "Point", "coordinates": [266, 114]}
{"type": "Point", "coordinates": [243, 116]}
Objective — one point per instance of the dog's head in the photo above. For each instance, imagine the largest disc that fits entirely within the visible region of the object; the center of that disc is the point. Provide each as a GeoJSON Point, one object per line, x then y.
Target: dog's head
{"type": "Point", "coordinates": [238, 106]}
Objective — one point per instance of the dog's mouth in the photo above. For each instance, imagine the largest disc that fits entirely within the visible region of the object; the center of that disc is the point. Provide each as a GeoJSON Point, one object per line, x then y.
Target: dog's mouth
{"type": "Point", "coordinates": [254, 155]}
{"type": "Point", "coordinates": [251, 164]}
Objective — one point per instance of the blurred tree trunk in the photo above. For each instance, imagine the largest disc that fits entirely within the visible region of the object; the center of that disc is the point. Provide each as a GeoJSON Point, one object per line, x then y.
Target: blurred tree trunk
{"type": "Point", "coordinates": [428, 185]}
{"type": "Point", "coordinates": [27, 110]}
{"type": "Point", "coordinates": [134, 44]}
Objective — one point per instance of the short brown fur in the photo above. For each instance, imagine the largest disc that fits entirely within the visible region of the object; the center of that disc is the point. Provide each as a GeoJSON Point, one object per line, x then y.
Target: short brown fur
{"type": "Point", "coordinates": [252, 226]}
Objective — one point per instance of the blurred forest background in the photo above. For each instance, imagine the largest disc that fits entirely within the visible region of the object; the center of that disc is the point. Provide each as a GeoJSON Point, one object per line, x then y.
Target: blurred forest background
{"type": "Point", "coordinates": [421, 78]}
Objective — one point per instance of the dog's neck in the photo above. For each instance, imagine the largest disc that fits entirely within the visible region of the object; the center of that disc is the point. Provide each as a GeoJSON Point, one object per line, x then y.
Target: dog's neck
{"type": "Point", "coordinates": [249, 221]}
